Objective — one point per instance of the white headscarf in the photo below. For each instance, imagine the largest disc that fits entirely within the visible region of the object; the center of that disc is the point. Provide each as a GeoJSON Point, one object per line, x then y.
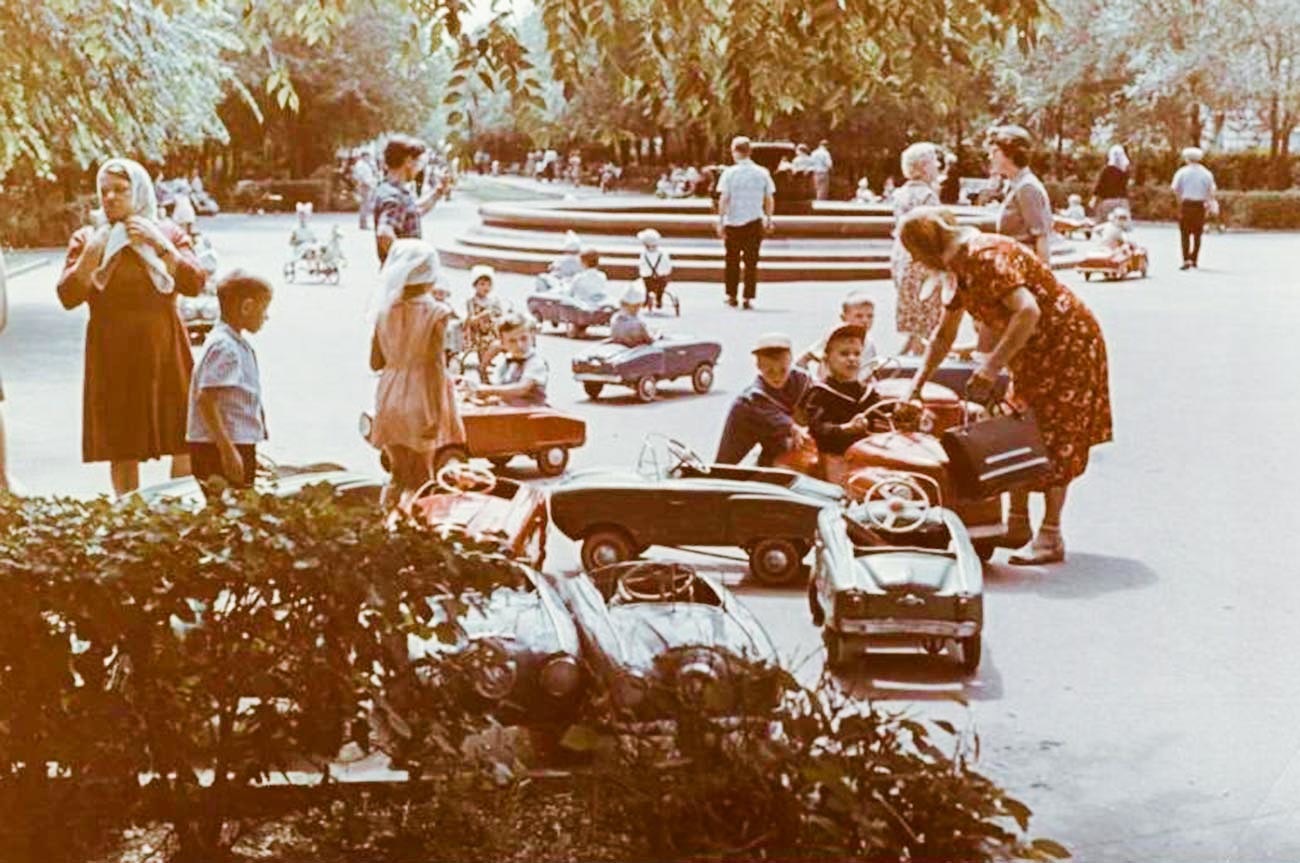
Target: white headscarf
{"type": "Point", "coordinates": [143, 203]}
{"type": "Point", "coordinates": [1117, 158]}
{"type": "Point", "coordinates": [409, 262]}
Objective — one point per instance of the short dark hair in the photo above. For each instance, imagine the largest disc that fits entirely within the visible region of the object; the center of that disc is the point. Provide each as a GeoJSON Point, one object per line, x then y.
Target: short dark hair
{"type": "Point", "coordinates": [589, 256]}
{"type": "Point", "coordinates": [399, 148]}
{"type": "Point", "coordinates": [1015, 141]}
{"type": "Point", "coordinates": [237, 286]}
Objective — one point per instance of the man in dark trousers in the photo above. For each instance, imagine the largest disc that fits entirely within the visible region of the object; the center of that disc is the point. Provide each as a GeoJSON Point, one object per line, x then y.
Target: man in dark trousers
{"type": "Point", "coordinates": [746, 198]}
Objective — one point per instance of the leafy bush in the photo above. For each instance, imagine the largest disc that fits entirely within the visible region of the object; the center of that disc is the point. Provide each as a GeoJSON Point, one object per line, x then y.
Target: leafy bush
{"type": "Point", "coordinates": [240, 640]}
{"type": "Point", "coordinates": [1239, 209]}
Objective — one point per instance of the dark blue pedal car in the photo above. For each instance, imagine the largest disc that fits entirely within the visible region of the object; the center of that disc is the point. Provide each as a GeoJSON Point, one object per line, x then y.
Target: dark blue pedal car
{"type": "Point", "coordinates": [643, 367]}
{"type": "Point", "coordinates": [559, 308]}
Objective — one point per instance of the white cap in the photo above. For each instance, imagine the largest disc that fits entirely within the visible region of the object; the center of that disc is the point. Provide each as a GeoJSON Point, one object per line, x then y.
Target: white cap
{"type": "Point", "coordinates": [648, 235]}
{"type": "Point", "coordinates": [773, 342]}
{"type": "Point", "coordinates": [304, 206]}
{"type": "Point", "coordinates": [481, 271]}
{"type": "Point", "coordinates": [634, 295]}
{"type": "Point", "coordinates": [572, 243]}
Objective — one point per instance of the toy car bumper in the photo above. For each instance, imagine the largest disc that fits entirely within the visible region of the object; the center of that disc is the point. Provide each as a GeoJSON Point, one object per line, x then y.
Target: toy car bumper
{"type": "Point", "coordinates": [598, 378]}
{"type": "Point", "coordinates": [925, 628]}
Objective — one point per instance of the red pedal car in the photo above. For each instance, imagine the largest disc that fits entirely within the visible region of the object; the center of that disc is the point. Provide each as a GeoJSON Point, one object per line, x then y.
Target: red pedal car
{"type": "Point", "coordinates": [470, 498]}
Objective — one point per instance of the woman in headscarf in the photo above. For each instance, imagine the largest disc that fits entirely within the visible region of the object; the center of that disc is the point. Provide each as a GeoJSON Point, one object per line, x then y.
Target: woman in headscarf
{"type": "Point", "coordinates": [415, 406]}
{"type": "Point", "coordinates": [1111, 191]}
{"type": "Point", "coordinates": [1047, 339]}
{"type": "Point", "coordinates": [138, 362]}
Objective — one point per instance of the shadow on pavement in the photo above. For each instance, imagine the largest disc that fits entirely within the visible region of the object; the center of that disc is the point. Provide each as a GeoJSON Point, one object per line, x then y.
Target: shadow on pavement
{"type": "Point", "coordinates": [1082, 575]}
{"type": "Point", "coordinates": [919, 676]}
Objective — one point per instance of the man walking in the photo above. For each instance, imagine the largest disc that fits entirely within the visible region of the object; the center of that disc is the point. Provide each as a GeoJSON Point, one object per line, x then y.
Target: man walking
{"type": "Point", "coordinates": [821, 167]}
{"type": "Point", "coordinates": [364, 178]}
{"type": "Point", "coordinates": [746, 198]}
{"type": "Point", "coordinates": [1194, 187]}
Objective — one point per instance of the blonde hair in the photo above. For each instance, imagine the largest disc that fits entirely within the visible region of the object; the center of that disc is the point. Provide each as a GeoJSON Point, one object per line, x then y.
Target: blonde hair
{"type": "Point", "coordinates": [915, 156]}
{"type": "Point", "coordinates": [926, 232]}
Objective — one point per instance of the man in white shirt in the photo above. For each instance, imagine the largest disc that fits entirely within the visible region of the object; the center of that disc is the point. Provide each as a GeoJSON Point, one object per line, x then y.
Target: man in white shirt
{"type": "Point", "coordinates": [746, 198]}
{"type": "Point", "coordinates": [1194, 187]}
{"type": "Point", "coordinates": [821, 167]}
{"type": "Point", "coordinates": [364, 178]}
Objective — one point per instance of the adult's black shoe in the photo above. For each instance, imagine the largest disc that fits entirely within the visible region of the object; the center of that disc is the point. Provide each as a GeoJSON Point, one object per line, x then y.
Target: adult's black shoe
{"type": "Point", "coordinates": [749, 304]}
{"type": "Point", "coordinates": [731, 301]}
{"type": "Point", "coordinates": [1187, 265]}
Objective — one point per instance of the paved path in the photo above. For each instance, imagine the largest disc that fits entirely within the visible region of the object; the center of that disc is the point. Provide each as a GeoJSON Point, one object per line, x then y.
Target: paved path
{"type": "Point", "coordinates": [1142, 699]}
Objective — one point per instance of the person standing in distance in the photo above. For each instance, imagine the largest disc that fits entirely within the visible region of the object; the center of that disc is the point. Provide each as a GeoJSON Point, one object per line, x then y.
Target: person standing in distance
{"type": "Point", "coordinates": [1194, 187]}
{"type": "Point", "coordinates": [746, 198]}
{"type": "Point", "coordinates": [821, 167]}
{"type": "Point", "coordinates": [397, 210]}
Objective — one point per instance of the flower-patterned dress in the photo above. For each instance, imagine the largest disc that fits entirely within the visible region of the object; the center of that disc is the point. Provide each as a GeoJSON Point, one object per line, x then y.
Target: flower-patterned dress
{"type": "Point", "coordinates": [1061, 372]}
{"type": "Point", "coordinates": [913, 316]}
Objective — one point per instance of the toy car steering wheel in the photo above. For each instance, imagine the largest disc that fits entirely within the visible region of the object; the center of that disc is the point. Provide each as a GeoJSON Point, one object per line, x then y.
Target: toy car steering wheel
{"type": "Point", "coordinates": [657, 584]}
{"type": "Point", "coordinates": [686, 457]}
{"type": "Point", "coordinates": [885, 409]}
{"type": "Point", "coordinates": [904, 503]}
{"type": "Point", "coordinates": [458, 476]}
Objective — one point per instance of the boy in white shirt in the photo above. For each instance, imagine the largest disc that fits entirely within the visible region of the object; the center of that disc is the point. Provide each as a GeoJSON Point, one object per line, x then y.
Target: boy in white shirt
{"type": "Point", "coordinates": [859, 310]}
{"type": "Point", "coordinates": [654, 268]}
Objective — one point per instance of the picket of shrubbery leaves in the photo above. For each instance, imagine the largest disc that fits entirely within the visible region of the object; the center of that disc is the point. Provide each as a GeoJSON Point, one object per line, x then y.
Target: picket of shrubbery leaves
{"type": "Point", "coordinates": [157, 663]}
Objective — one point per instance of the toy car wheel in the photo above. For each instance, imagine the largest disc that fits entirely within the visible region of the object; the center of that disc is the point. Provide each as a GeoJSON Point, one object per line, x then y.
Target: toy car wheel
{"type": "Point", "coordinates": [1087, 277]}
{"type": "Point", "coordinates": [647, 388]}
{"type": "Point", "coordinates": [702, 378]}
{"type": "Point", "coordinates": [606, 547]}
{"type": "Point", "coordinates": [592, 389]}
{"type": "Point", "coordinates": [500, 462]}
{"type": "Point", "coordinates": [838, 653]}
{"type": "Point", "coordinates": [447, 455]}
{"type": "Point", "coordinates": [972, 649]}
{"type": "Point", "coordinates": [576, 331]}
{"type": "Point", "coordinates": [552, 461]}
{"type": "Point", "coordinates": [775, 561]}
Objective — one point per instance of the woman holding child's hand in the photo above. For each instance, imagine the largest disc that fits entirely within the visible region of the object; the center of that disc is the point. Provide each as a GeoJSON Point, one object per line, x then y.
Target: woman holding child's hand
{"type": "Point", "coordinates": [1049, 342]}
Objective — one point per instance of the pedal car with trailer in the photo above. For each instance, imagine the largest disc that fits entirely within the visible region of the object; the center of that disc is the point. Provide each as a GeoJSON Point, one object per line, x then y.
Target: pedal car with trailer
{"type": "Point", "coordinates": [644, 366]}
{"type": "Point", "coordinates": [680, 501]}
{"type": "Point", "coordinates": [895, 570]}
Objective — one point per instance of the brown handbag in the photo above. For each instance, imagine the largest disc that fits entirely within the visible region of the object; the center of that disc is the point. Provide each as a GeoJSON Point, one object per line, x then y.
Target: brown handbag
{"type": "Point", "coordinates": [1002, 453]}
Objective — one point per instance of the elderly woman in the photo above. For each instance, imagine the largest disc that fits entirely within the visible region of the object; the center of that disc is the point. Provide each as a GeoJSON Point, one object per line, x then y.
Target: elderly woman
{"type": "Point", "coordinates": [916, 317]}
{"type": "Point", "coordinates": [1194, 187]}
{"type": "Point", "coordinates": [138, 363]}
{"type": "Point", "coordinates": [1049, 342]}
{"type": "Point", "coordinates": [1111, 191]}
{"type": "Point", "coordinates": [1026, 214]}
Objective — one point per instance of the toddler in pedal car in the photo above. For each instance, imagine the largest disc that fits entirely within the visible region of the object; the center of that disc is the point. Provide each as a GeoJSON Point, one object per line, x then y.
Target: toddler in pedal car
{"type": "Point", "coordinates": [627, 327]}
{"type": "Point", "coordinates": [519, 375]}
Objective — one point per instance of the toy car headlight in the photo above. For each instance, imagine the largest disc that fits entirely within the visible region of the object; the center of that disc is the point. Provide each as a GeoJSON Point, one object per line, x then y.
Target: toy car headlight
{"type": "Point", "coordinates": [851, 603]}
{"type": "Point", "coordinates": [560, 676]}
{"type": "Point", "coordinates": [495, 674]}
{"type": "Point", "coordinates": [627, 691]}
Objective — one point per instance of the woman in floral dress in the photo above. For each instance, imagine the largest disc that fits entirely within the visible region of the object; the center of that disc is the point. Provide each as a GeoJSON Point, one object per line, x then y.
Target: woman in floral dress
{"type": "Point", "coordinates": [915, 317]}
{"type": "Point", "coordinates": [1050, 343]}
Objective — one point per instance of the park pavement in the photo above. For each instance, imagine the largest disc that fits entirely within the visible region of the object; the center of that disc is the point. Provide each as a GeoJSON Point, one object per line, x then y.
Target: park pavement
{"type": "Point", "coordinates": [1141, 698]}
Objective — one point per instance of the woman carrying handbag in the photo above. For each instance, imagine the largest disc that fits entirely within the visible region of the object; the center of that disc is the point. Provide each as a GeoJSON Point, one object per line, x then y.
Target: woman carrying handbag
{"type": "Point", "coordinates": [1050, 343]}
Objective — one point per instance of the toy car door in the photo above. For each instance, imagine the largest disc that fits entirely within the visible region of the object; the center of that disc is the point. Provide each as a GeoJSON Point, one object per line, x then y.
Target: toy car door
{"type": "Point", "coordinates": [693, 515]}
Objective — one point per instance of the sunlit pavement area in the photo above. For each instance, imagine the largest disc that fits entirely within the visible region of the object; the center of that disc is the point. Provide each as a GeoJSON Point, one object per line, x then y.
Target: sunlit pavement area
{"type": "Point", "coordinates": [1142, 698]}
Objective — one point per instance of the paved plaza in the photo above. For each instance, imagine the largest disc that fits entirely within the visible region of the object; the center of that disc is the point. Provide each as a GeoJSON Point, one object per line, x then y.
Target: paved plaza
{"type": "Point", "coordinates": [1142, 698]}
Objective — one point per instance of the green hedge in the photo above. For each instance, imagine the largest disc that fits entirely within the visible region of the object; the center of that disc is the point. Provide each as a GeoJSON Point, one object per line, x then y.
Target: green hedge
{"type": "Point", "coordinates": [266, 633]}
{"type": "Point", "coordinates": [1239, 209]}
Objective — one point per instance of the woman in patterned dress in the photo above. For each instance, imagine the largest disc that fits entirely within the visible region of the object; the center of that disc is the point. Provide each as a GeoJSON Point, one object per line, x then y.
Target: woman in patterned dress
{"type": "Point", "coordinates": [915, 317]}
{"type": "Point", "coordinates": [1050, 343]}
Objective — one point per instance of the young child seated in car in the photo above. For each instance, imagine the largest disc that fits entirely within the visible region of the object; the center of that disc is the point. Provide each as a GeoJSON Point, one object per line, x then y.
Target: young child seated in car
{"type": "Point", "coordinates": [1115, 233]}
{"type": "Point", "coordinates": [835, 404]}
{"type": "Point", "coordinates": [590, 286]}
{"type": "Point", "coordinates": [1074, 209]}
{"type": "Point", "coordinates": [563, 268]}
{"type": "Point", "coordinates": [858, 309]}
{"type": "Point", "coordinates": [519, 375]}
{"type": "Point", "coordinates": [626, 327]}
{"type": "Point", "coordinates": [303, 240]}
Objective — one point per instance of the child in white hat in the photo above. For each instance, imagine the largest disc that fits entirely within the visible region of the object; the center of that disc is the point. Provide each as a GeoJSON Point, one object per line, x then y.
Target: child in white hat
{"type": "Point", "coordinates": [303, 240]}
{"type": "Point", "coordinates": [627, 326]}
{"type": "Point", "coordinates": [655, 266]}
{"type": "Point", "coordinates": [564, 267]}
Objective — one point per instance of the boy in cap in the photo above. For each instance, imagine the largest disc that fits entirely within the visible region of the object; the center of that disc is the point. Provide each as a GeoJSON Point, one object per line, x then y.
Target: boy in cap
{"type": "Point", "coordinates": [763, 414]}
{"type": "Point", "coordinates": [627, 327]}
{"type": "Point", "coordinates": [858, 309]}
{"type": "Point", "coordinates": [835, 404]}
